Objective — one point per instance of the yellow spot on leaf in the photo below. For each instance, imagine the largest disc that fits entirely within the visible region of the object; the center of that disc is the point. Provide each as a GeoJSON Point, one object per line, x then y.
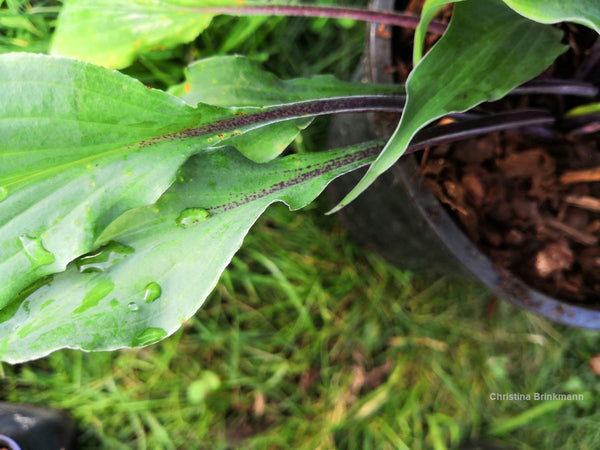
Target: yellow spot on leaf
{"type": "Point", "coordinates": [187, 87]}
{"type": "Point", "coordinates": [214, 81]}
{"type": "Point", "coordinates": [137, 44]}
{"type": "Point", "coordinates": [89, 166]}
{"type": "Point", "coordinates": [93, 184]}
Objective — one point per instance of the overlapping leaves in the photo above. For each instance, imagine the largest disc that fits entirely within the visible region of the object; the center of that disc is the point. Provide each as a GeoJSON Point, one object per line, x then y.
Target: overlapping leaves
{"type": "Point", "coordinates": [83, 144]}
{"type": "Point", "coordinates": [237, 81]}
{"type": "Point", "coordinates": [487, 50]}
{"type": "Point", "coordinates": [584, 12]}
{"type": "Point", "coordinates": [87, 151]}
{"type": "Point", "coordinates": [161, 261]}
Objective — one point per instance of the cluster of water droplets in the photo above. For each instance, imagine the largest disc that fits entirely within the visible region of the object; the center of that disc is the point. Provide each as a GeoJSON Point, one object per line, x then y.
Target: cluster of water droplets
{"type": "Point", "coordinates": [148, 336]}
{"type": "Point", "coordinates": [152, 292]}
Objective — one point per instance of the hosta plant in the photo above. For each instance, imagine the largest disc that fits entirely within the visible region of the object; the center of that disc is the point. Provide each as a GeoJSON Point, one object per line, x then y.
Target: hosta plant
{"type": "Point", "coordinates": [120, 205]}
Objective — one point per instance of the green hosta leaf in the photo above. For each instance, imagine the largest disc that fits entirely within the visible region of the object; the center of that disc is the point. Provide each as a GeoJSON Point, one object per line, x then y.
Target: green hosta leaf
{"type": "Point", "coordinates": [487, 50]}
{"type": "Point", "coordinates": [73, 158]}
{"type": "Point", "coordinates": [238, 81]}
{"type": "Point", "coordinates": [163, 260]}
{"type": "Point", "coordinates": [584, 12]}
{"type": "Point", "coordinates": [430, 9]}
{"type": "Point", "coordinates": [113, 32]}
{"type": "Point", "coordinates": [81, 144]}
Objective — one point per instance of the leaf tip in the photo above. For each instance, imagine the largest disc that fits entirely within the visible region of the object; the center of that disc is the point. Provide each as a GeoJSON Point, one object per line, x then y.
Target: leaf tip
{"type": "Point", "coordinates": [335, 209]}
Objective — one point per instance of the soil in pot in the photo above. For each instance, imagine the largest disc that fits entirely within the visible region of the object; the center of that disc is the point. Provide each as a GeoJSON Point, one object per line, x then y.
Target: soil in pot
{"type": "Point", "coordinates": [531, 203]}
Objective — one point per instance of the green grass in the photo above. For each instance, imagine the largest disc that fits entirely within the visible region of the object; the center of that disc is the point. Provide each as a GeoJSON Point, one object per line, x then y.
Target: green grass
{"type": "Point", "coordinates": [310, 341]}
{"type": "Point", "coordinates": [315, 342]}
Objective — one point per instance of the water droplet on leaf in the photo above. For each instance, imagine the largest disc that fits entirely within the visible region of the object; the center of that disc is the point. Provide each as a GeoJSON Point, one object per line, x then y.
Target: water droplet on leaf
{"type": "Point", "coordinates": [148, 336]}
{"type": "Point", "coordinates": [133, 306]}
{"type": "Point", "coordinates": [152, 292]}
{"type": "Point", "coordinates": [192, 216]}
{"type": "Point", "coordinates": [101, 259]}
{"type": "Point", "coordinates": [35, 251]}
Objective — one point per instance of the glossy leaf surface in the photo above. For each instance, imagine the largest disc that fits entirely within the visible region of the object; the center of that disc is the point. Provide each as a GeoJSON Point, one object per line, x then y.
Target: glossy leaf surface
{"type": "Point", "coordinates": [584, 12]}
{"type": "Point", "coordinates": [487, 50]}
{"type": "Point", "coordinates": [74, 157]}
{"type": "Point", "coordinates": [161, 261]}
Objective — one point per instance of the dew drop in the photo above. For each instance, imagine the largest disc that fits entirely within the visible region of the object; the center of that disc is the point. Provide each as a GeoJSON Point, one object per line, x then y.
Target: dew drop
{"type": "Point", "coordinates": [35, 251]}
{"type": "Point", "coordinates": [103, 258]}
{"type": "Point", "coordinates": [3, 193]}
{"type": "Point", "coordinates": [192, 216]}
{"type": "Point", "coordinates": [133, 306]}
{"type": "Point", "coordinates": [148, 336]}
{"type": "Point", "coordinates": [152, 292]}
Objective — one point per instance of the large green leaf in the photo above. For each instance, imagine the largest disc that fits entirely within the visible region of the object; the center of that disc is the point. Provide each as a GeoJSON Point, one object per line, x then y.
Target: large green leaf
{"type": "Point", "coordinates": [584, 12]}
{"type": "Point", "coordinates": [81, 144]}
{"type": "Point", "coordinates": [163, 260]}
{"type": "Point", "coordinates": [113, 32]}
{"type": "Point", "coordinates": [487, 50]}
{"type": "Point", "coordinates": [74, 157]}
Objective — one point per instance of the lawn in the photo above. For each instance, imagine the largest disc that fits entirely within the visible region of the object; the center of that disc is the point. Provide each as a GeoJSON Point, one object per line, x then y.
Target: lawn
{"type": "Point", "coordinates": [310, 340]}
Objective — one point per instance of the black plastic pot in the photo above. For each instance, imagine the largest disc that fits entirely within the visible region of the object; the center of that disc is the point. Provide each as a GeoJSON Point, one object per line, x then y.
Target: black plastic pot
{"type": "Point", "coordinates": [404, 222]}
{"type": "Point", "coordinates": [30, 427]}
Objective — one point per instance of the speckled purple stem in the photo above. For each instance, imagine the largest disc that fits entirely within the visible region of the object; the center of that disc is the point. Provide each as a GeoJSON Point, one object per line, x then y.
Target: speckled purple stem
{"type": "Point", "coordinates": [310, 108]}
{"type": "Point", "coordinates": [387, 17]}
